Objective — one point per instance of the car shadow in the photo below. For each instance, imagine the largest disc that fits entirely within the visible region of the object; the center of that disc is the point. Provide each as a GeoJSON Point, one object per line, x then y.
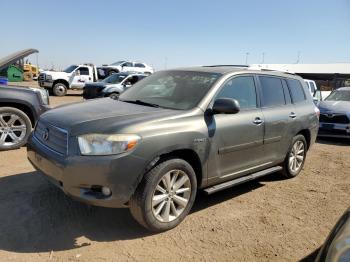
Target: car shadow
{"type": "Point", "coordinates": [311, 257]}
{"type": "Point", "coordinates": [38, 217]}
{"type": "Point", "coordinates": [333, 141]}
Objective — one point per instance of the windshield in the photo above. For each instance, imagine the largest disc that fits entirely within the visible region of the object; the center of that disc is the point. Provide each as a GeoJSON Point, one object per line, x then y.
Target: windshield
{"type": "Point", "coordinates": [172, 89]}
{"type": "Point", "coordinates": [114, 79]}
{"type": "Point", "coordinates": [70, 69]}
{"type": "Point", "coordinates": [118, 63]}
{"type": "Point", "coordinates": [339, 95]}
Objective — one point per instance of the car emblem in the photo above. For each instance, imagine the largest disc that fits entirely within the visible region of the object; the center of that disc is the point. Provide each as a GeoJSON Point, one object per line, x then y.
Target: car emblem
{"type": "Point", "coordinates": [330, 115]}
{"type": "Point", "coordinates": [45, 135]}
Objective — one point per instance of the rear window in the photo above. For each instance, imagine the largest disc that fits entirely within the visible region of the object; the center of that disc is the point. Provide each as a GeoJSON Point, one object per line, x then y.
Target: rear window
{"type": "Point", "coordinates": [296, 90]}
{"type": "Point", "coordinates": [271, 91]}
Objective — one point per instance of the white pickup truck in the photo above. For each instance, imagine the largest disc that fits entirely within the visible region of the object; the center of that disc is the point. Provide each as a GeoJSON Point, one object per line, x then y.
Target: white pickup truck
{"type": "Point", "coordinates": [73, 77]}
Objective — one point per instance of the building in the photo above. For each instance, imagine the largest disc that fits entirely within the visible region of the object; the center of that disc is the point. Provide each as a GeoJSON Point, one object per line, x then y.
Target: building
{"type": "Point", "coordinates": [327, 76]}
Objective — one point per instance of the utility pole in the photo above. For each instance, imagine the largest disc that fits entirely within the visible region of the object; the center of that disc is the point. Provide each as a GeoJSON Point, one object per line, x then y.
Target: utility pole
{"type": "Point", "coordinates": [263, 58]}
{"type": "Point", "coordinates": [298, 59]}
{"type": "Point", "coordinates": [246, 58]}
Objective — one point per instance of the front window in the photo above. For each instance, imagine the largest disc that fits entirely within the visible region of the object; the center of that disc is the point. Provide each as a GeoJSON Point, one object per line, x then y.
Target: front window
{"type": "Point", "coordinates": [339, 95]}
{"type": "Point", "coordinates": [70, 69]}
{"type": "Point", "coordinates": [241, 88]}
{"type": "Point", "coordinates": [172, 89]}
{"type": "Point", "coordinates": [117, 63]}
{"type": "Point", "coordinates": [114, 79]}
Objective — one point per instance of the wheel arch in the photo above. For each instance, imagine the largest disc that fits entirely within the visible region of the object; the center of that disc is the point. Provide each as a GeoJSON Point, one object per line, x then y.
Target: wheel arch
{"type": "Point", "coordinates": [307, 134]}
{"type": "Point", "coordinates": [24, 108]}
{"type": "Point", "coordinates": [62, 81]}
{"type": "Point", "coordinates": [187, 154]}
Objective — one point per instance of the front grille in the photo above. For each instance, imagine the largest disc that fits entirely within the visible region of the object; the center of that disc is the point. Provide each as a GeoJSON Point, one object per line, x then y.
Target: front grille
{"type": "Point", "coordinates": [53, 137]}
{"type": "Point", "coordinates": [334, 119]}
{"type": "Point", "coordinates": [41, 77]}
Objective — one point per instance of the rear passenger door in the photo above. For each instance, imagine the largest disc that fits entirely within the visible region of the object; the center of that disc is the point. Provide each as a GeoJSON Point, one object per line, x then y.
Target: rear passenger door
{"type": "Point", "coordinates": [279, 114]}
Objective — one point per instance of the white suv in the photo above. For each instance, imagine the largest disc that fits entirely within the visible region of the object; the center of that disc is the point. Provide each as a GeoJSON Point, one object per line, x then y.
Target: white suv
{"type": "Point", "coordinates": [127, 66]}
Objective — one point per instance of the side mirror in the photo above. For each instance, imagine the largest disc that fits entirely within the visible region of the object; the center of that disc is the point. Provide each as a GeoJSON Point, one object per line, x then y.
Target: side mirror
{"type": "Point", "coordinates": [226, 106]}
{"type": "Point", "coordinates": [77, 73]}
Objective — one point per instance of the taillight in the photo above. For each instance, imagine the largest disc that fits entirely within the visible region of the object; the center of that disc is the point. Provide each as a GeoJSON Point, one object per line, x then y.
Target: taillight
{"type": "Point", "coordinates": [317, 112]}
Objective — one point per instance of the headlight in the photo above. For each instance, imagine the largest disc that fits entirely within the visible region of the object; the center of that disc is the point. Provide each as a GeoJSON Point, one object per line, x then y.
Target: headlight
{"type": "Point", "coordinates": [44, 95]}
{"type": "Point", "coordinates": [101, 144]}
{"type": "Point", "coordinates": [48, 77]}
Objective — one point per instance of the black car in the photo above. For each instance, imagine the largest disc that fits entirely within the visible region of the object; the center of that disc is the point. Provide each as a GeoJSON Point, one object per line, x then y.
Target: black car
{"type": "Point", "coordinates": [337, 244]}
{"type": "Point", "coordinates": [335, 114]}
{"type": "Point", "coordinates": [19, 110]}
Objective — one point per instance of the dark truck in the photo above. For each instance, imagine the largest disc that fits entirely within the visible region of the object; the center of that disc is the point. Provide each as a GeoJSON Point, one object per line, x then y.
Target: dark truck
{"type": "Point", "coordinates": [174, 133]}
{"type": "Point", "coordinates": [20, 108]}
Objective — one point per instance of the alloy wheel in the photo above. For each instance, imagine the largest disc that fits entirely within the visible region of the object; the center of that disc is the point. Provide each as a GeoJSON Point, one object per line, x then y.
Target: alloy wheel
{"type": "Point", "coordinates": [12, 129]}
{"type": "Point", "coordinates": [171, 196]}
{"type": "Point", "coordinates": [296, 156]}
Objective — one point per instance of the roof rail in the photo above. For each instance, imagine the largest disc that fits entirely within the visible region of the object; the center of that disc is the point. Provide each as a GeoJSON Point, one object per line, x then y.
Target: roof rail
{"type": "Point", "coordinates": [225, 65]}
{"type": "Point", "coordinates": [270, 70]}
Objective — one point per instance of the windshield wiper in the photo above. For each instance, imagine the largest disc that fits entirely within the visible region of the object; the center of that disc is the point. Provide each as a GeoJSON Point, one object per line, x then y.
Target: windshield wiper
{"type": "Point", "coordinates": [140, 102]}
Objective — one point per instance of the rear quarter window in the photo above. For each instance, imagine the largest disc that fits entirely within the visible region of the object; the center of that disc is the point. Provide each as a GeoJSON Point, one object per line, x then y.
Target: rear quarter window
{"type": "Point", "coordinates": [296, 90]}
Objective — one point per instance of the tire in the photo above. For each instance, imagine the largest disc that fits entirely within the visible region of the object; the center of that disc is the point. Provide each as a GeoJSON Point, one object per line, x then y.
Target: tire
{"type": "Point", "coordinates": [27, 76]}
{"type": "Point", "coordinates": [293, 164]}
{"type": "Point", "coordinates": [148, 200]}
{"type": "Point", "coordinates": [59, 89]}
{"type": "Point", "coordinates": [114, 96]}
{"type": "Point", "coordinates": [111, 72]}
{"type": "Point", "coordinates": [15, 128]}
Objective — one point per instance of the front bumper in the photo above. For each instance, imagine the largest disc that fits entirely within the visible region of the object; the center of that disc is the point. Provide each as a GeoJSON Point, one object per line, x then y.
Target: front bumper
{"type": "Point", "coordinates": [79, 176]}
{"type": "Point", "coordinates": [334, 130]}
{"type": "Point", "coordinates": [46, 83]}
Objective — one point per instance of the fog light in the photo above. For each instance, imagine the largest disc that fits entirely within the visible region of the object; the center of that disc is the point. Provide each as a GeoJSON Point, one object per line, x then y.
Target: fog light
{"type": "Point", "coordinates": [106, 191]}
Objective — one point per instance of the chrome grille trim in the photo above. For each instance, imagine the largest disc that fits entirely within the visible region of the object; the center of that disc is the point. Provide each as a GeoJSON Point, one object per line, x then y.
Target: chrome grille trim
{"type": "Point", "coordinates": [57, 140]}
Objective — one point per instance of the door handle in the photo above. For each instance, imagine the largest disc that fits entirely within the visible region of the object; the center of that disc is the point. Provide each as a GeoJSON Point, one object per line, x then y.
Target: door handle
{"type": "Point", "coordinates": [292, 115]}
{"type": "Point", "coordinates": [257, 121]}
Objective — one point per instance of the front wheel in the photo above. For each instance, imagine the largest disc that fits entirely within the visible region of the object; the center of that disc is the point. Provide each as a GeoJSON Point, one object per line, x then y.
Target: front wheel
{"type": "Point", "coordinates": [59, 89]}
{"type": "Point", "coordinates": [165, 195]}
{"type": "Point", "coordinates": [114, 96]}
{"type": "Point", "coordinates": [15, 128]}
{"type": "Point", "coordinates": [295, 158]}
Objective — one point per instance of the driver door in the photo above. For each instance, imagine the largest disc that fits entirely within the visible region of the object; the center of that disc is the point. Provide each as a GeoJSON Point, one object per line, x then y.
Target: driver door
{"type": "Point", "coordinates": [79, 77]}
{"type": "Point", "coordinates": [237, 141]}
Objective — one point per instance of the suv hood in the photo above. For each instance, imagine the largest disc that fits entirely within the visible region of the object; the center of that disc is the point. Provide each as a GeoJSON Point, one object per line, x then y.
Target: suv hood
{"type": "Point", "coordinates": [103, 115]}
{"type": "Point", "coordinates": [334, 106]}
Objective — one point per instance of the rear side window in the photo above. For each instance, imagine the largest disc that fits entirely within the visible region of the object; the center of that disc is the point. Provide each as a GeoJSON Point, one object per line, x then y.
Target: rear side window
{"type": "Point", "coordinates": [312, 87]}
{"type": "Point", "coordinates": [271, 91]}
{"type": "Point", "coordinates": [296, 90]}
{"type": "Point", "coordinates": [242, 89]}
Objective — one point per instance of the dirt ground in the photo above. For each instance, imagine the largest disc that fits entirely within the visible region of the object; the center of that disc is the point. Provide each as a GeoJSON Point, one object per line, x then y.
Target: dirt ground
{"type": "Point", "coordinates": [271, 219]}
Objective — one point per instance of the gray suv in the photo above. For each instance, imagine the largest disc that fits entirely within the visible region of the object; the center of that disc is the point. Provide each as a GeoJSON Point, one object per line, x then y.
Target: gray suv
{"type": "Point", "coordinates": [173, 133]}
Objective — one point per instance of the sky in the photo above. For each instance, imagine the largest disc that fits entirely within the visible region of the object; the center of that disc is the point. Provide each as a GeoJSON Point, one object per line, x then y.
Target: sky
{"type": "Point", "coordinates": [175, 33]}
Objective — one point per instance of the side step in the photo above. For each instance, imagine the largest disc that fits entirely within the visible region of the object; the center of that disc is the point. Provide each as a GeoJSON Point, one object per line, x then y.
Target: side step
{"type": "Point", "coordinates": [241, 180]}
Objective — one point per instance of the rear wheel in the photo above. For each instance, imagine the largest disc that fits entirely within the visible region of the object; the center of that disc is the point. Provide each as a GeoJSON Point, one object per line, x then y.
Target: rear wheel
{"type": "Point", "coordinates": [165, 196]}
{"type": "Point", "coordinates": [15, 128]}
{"type": "Point", "coordinates": [295, 158]}
{"type": "Point", "coordinates": [59, 89]}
